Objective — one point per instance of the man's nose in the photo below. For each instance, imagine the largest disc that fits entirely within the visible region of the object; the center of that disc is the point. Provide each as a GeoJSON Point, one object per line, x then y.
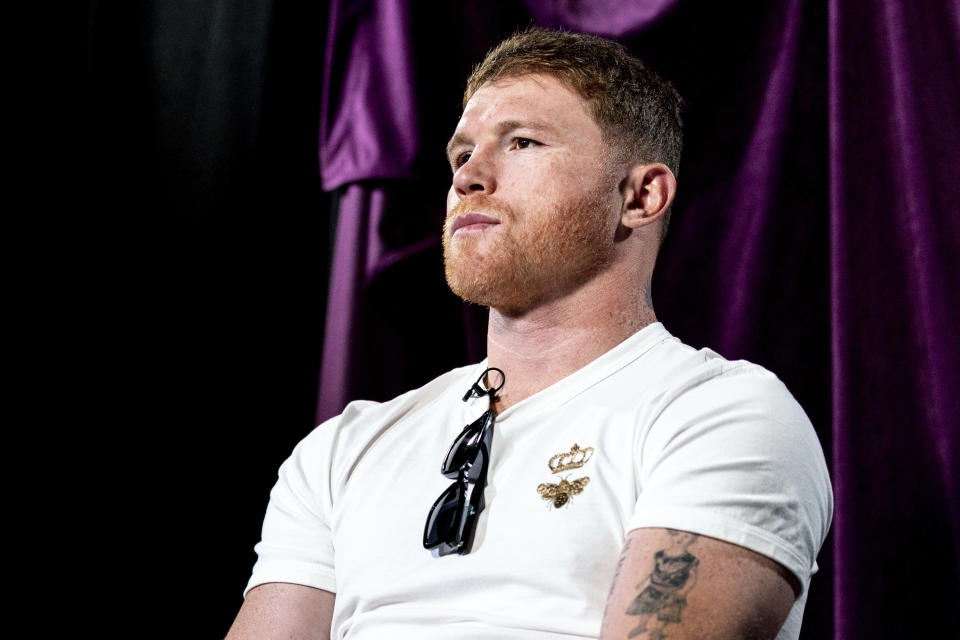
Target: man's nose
{"type": "Point", "coordinates": [476, 175]}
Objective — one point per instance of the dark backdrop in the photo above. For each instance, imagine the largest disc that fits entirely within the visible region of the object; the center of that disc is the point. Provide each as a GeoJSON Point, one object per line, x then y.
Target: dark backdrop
{"type": "Point", "coordinates": [205, 256]}
{"type": "Point", "coordinates": [815, 233]}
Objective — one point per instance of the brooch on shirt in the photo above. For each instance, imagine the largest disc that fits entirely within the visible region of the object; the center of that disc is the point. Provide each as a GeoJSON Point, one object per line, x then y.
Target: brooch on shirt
{"type": "Point", "coordinates": [561, 492]}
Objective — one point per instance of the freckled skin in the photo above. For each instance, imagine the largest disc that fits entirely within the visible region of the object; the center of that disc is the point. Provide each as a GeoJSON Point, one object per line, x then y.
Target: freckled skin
{"type": "Point", "coordinates": [556, 199]}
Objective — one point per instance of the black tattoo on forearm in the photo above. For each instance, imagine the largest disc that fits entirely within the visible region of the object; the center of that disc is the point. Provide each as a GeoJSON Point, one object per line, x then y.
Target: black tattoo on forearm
{"type": "Point", "coordinates": [616, 573]}
{"type": "Point", "coordinates": [663, 593]}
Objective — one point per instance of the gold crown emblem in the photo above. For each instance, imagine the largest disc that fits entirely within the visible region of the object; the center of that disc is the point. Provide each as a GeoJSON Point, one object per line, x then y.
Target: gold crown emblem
{"type": "Point", "coordinates": [574, 459]}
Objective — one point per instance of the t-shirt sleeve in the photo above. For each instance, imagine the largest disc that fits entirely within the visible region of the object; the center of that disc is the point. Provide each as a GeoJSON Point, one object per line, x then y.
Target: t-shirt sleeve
{"type": "Point", "coordinates": [296, 544]}
{"type": "Point", "coordinates": [734, 457]}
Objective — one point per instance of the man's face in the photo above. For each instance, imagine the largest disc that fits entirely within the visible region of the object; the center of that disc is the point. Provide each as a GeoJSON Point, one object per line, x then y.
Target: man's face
{"type": "Point", "coordinates": [534, 204]}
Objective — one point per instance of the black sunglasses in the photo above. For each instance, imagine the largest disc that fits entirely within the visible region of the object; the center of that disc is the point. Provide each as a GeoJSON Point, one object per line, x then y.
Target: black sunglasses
{"type": "Point", "coordinates": [452, 521]}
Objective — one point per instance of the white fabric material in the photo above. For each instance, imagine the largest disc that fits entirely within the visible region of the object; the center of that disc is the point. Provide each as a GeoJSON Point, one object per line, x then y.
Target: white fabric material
{"type": "Point", "coordinates": [682, 439]}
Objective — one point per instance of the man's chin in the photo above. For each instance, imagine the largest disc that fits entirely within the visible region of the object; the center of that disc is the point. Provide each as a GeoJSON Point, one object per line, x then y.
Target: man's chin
{"type": "Point", "coordinates": [470, 289]}
{"type": "Point", "coordinates": [501, 294]}
{"type": "Point", "coordinates": [476, 288]}
{"type": "Point", "coordinates": [469, 275]}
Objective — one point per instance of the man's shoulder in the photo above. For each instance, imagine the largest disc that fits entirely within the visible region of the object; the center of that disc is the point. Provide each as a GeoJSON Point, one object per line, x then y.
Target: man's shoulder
{"type": "Point", "coordinates": [736, 405]}
{"type": "Point", "coordinates": [676, 369]}
{"type": "Point", "coordinates": [348, 436]}
{"type": "Point", "coordinates": [743, 384]}
{"type": "Point", "coordinates": [686, 386]}
{"type": "Point", "coordinates": [365, 412]}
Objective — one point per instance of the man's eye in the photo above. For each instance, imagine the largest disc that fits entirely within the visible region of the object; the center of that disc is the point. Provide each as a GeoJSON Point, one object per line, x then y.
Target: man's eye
{"type": "Point", "coordinates": [461, 159]}
{"type": "Point", "coordinates": [523, 143]}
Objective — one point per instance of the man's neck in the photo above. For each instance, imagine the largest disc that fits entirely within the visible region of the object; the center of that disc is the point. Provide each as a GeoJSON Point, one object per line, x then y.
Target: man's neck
{"type": "Point", "coordinates": [548, 343]}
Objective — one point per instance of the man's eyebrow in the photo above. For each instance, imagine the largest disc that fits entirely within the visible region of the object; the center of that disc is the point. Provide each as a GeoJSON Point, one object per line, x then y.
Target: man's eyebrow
{"type": "Point", "coordinates": [506, 126]}
{"type": "Point", "coordinates": [457, 140]}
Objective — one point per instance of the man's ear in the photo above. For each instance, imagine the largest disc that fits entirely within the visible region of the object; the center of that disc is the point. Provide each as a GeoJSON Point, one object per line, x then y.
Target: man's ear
{"type": "Point", "coordinates": [647, 193]}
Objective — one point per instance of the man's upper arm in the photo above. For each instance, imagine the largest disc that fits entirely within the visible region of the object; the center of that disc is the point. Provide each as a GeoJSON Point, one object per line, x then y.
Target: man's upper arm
{"type": "Point", "coordinates": [680, 585]}
{"type": "Point", "coordinates": [282, 610]}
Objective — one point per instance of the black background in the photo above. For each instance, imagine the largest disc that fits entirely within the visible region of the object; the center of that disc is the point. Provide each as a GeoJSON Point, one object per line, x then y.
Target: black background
{"type": "Point", "coordinates": [196, 279]}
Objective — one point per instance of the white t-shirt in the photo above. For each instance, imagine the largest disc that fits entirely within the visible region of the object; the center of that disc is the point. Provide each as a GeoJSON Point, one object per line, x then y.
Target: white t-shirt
{"type": "Point", "coordinates": [681, 438]}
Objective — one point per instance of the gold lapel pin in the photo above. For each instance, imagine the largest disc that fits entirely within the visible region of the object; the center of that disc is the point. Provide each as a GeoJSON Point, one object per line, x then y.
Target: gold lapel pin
{"type": "Point", "coordinates": [573, 459]}
{"type": "Point", "coordinates": [561, 492]}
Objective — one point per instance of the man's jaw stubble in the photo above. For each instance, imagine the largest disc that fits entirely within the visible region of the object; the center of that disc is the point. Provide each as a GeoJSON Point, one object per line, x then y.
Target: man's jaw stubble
{"type": "Point", "coordinates": [523, 267]}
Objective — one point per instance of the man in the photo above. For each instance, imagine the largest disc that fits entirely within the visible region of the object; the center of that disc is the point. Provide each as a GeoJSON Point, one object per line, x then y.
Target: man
{"type": "Point", "coordinates": [611, 482]}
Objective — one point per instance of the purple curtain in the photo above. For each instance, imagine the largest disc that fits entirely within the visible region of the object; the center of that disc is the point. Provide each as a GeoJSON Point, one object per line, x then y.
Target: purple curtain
{"type": "Point", "coordinates": [816, 232]}
{"type": "Point", "coordinates": [894, 234]}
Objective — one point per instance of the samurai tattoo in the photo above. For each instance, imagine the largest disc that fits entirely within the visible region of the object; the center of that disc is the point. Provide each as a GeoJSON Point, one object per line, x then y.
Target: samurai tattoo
{"type": "Point", "coordinates": [663, 593]}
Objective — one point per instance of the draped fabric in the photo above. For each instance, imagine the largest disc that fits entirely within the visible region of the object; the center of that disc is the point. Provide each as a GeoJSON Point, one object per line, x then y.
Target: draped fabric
{"type": "Point", "coordinates": [816, 232]}
{"type": "Point", "coordinates": [368, 128]}
{"type": "Point", "coordinates": [894, 234]}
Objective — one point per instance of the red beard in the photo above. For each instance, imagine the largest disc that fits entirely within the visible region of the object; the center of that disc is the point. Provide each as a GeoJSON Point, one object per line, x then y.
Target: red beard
{"type": "Point", "coordinates": [529, 258]}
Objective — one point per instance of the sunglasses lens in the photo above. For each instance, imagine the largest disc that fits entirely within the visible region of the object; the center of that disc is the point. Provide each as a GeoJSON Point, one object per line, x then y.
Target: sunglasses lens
{"type": "Point", "coordinates": [443, 519]}
{"type": "Point", "coordinates": [464, 448]}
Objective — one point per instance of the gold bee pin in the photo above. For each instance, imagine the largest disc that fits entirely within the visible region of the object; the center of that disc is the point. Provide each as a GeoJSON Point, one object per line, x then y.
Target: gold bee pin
{"type": "Point", "coordinates": [560, 493]}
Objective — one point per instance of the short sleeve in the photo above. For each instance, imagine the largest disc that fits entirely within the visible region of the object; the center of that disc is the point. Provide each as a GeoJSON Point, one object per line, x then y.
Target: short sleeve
{"type": "Point", "coordinates": [734, 457]}
{"type": "Point", "coordinates": [296, 544]}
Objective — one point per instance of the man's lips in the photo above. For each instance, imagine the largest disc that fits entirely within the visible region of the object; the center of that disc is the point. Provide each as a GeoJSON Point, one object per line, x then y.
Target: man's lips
{"type": "Point", "coordinates": [472, 220]}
